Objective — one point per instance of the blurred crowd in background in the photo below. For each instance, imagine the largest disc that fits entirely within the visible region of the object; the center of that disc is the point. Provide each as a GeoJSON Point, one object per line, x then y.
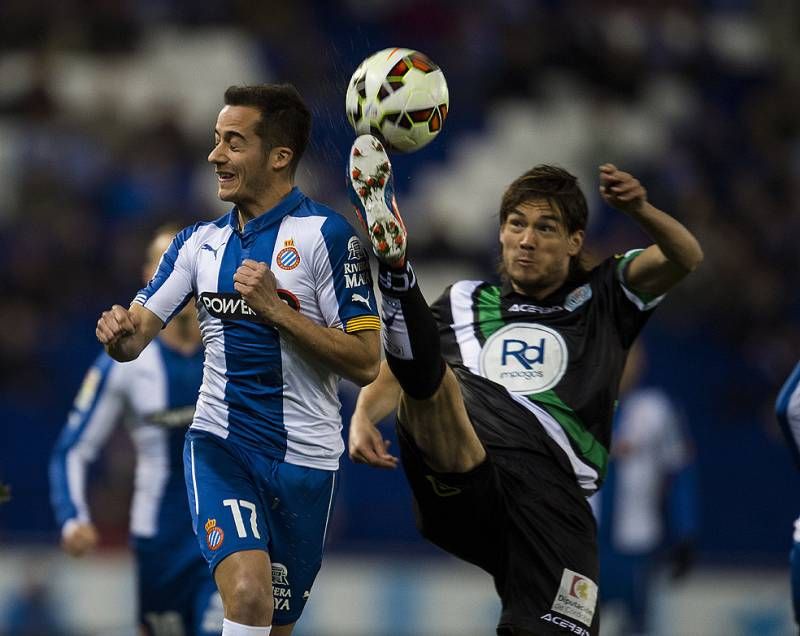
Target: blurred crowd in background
{"type": "Point", "coordinates": [106, 118]}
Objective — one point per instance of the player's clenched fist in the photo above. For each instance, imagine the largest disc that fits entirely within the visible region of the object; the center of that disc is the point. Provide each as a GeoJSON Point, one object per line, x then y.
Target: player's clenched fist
{"type": "Point", "coordinates": [256, 283]}
{"type": "Point", "coordinates": [621, 190]}
{"type": "Point", "coordinates": [78, 538]}
{"type": "Point", "coordinates": [114, 324]}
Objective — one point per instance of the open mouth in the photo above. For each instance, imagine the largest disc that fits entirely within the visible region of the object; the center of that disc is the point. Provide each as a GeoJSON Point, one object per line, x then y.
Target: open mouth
{"type": "Point", "coordinates": [225, 177]}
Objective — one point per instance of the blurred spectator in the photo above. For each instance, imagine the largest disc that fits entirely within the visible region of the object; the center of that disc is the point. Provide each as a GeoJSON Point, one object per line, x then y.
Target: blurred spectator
{"type": "Point", "coordinates": [647, 508]}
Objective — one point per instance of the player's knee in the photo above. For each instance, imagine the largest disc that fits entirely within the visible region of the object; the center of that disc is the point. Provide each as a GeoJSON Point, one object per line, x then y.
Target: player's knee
{"type": "Point", "coordinates": [248, 600]}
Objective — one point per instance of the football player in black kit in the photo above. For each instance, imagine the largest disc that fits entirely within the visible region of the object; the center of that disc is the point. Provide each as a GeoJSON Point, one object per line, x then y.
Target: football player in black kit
{"type": "Point", "coordinates": [505, 393]}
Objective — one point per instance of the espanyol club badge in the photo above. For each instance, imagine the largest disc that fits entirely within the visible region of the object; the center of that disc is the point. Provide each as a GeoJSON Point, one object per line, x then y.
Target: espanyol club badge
{"type": "Point", "coordinates": [288, 257]}
{"type": "Point", "coordinates": [214, 535]}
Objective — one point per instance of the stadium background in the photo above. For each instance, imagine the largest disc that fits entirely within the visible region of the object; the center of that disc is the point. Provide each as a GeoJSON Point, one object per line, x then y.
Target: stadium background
{"type": "Point", "coordinates": [106, 113]}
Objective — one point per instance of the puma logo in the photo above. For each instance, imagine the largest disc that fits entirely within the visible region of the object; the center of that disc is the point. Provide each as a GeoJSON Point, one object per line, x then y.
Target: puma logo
{"type": "Point", "coordinates": [358, 298]}
{"type": "Point", "coordinates": [206, 246]}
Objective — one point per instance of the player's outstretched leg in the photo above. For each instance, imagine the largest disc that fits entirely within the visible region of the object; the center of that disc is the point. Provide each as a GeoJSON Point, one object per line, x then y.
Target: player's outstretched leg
{"type": "Point", "coordinates": [411, 336]}
{"type": "Point", "coordinates": [372, 194]}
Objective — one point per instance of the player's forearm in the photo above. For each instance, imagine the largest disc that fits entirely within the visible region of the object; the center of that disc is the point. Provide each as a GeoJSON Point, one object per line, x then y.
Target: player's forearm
{"type": "Point", "coordinates": [378, 399]}
{"type": "Point", "coordinates": [354, 357]}
{"type": "Point", "coordinates": [678, 245]}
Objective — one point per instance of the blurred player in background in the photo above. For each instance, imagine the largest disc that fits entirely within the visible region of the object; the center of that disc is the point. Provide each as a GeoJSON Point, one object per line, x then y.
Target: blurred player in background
{"type": "Point", "coordinates": [286, 308]}
{"type": "Point", "coordinates": [155, 395]}
{"type": "Point", "coordinates": [506, 393]}
{"type": "Point", "coordinates": [787, 409]}
{"type": "Point", "coordinates": [647, 507]}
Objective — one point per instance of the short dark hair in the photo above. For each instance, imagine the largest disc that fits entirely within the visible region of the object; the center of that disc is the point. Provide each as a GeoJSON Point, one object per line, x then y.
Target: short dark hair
{"type": "Point", "coordinates": [561, 190]}
{"type": "Point", "coordinates": [285, 118]}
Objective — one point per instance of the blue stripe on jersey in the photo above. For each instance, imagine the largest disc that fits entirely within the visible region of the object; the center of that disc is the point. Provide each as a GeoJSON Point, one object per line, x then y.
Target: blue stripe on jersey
{"type": "Point", "coordinates": [782, 411]}
{"type": "Point", "coordinates": [254, 390]}
{"type": "Point", "coordinates": [183, 373]}
{"type": "Point", "coordinates": [337, 234]}
{"type": "Point", "coordinates": [70, 436]}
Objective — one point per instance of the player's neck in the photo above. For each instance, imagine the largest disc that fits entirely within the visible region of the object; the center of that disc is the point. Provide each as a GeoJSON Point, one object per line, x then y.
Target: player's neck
{"type": "Point", "coordinates": [182, 334]}
{"type": "Point", "coordinates": [268, 199]}
{"type": "Point", "coordinates": [536, 292]}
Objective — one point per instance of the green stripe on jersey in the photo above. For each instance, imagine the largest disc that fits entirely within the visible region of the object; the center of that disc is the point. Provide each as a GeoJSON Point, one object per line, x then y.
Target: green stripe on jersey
{"type": "Point", "coordinates": [489, 319]}
{"type": "Point", "coordinates": [590, 449]}
{"type": "Point", "coordinates": [488, 311]}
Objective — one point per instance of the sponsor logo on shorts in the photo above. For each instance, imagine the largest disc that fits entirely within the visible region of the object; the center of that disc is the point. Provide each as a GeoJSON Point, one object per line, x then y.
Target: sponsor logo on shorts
{"type": "Point", "coordinates": [281, 592]}
{"type": "Point", "coordinates": [288, 258]}
{"type": "Point", "coordinates": [442, 489]}
{"type": "Point", "coordinates": [214, 535]}
{"type": "Point", "coordinates": [525, 358]}
{"type": "Point", "coordinates": [562, 622]}
{"type": "Point", "coordinates": [576, 597]}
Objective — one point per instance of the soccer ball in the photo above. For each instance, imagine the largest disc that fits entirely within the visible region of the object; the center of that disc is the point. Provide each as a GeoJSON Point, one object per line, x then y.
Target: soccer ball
{"type": "Point", "coordinates": [400, 96]}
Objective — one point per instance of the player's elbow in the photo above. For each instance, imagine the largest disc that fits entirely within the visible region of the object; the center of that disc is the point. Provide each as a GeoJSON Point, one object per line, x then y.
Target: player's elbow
{"type": "Point", "coordinates": [367, 373]}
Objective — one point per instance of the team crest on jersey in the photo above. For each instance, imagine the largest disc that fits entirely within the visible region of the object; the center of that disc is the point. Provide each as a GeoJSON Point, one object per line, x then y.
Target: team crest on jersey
{"type": "Point", "coordinates": [525, 358]}
{"type": "Point", "coordinates": [214, 535]}
{"type": "Point", "coordinates": [578, 297]}
{"type": "Point", "coordinates": [288, 257]}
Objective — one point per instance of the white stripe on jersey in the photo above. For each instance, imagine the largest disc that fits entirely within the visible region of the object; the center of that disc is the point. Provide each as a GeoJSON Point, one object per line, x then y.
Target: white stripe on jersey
{"type": "Point", "coordinates": [463, 326]}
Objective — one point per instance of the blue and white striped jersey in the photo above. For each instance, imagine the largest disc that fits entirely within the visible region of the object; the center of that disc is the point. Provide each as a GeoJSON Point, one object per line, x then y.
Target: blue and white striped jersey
{"type": "Point", "coordinates": [787, 408]}
{"type": "Point", "coordinates": [260, 391]}
{"type": "Point", "coordinates": [154, 395]}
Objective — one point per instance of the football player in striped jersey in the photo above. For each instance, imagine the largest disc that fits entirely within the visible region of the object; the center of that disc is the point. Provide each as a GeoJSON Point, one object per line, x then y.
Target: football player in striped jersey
{"type": "Point", "coordinates": [284, 296]}
{"type": "Point", "coordinates": [787, 408]}
{"type": "Point", "coordinates": [155, 395]}
{"type": "Point", "coordinates": [506, 391]}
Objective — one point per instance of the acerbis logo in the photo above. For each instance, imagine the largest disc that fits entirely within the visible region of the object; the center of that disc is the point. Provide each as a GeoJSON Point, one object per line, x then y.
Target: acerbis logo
{"type": "Point", "coordinates": [228, 306]}
{"type": "Point", "coordinates": [524, 358]}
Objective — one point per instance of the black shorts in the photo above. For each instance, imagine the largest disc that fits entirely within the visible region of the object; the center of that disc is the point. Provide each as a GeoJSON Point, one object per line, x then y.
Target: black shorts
{"type": "Point", "coordinates": [527, 525]}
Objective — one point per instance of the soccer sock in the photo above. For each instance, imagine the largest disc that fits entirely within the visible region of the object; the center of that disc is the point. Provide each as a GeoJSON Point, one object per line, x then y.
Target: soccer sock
{"type": "Point", "coordinates": [410, 333]}
{"type": "Point", "coordinates": [229, 628]}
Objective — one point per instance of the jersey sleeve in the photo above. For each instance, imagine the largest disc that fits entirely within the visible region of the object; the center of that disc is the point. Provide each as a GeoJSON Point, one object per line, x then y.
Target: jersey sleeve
{"type": "Point", "coordinates": [94, 414]}
{"type": "Point", "coordinates": [630, 309]}
{"type": "Point", "coordinates": [173, 283]}
{"type": "Point", "coordinates": [344, 280]}
{"type": "Point", "coordinates": [787, 409]}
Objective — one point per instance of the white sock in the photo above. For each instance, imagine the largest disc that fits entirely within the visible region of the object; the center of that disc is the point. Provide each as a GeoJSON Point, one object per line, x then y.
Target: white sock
{"type": "Point", "coordinates": [229, 628]}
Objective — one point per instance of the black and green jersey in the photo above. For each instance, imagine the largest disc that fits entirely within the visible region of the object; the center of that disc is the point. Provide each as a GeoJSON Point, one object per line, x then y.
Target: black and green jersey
{"type": "Point", "coordinates": [541, 377]}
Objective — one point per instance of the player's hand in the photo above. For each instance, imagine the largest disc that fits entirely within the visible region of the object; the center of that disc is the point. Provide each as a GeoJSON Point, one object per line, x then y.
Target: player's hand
{"type": "Point", "coordinates": [78, 538]}
{"type": "Point", "coordinates": [367, 446]}
{"type": "Point", "coordinates": [257, 285]}
{"type": "Point", "coordinates": [621, 190]}
{"type": "Point", "coordinates": [116, 323]}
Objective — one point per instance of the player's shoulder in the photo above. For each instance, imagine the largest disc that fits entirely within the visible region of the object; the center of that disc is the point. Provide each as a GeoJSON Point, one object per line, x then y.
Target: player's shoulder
{"type": "Point", "coordinates": [204, 229]}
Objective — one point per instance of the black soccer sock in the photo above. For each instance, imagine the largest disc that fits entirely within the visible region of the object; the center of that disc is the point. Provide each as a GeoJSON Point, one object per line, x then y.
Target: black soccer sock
{"type": "Point", "coordinates": [410, 333]}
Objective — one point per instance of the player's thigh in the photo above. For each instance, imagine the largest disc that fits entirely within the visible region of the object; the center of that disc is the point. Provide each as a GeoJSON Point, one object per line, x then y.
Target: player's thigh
{"type": "Point", "coordinates": [441, 428]}
{"type": "Point", "coordinates": [225, 503]}
{"type": "Point", "coordinates": [298, 516]}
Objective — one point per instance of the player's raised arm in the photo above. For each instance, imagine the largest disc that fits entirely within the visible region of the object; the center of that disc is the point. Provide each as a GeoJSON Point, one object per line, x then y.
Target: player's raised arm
{"type": "Point", "coordinates": [126, 332]}
{"type": "Point", "coordinates": [375, 402]}
{"type": "Point", "coordinates": [676, 252]}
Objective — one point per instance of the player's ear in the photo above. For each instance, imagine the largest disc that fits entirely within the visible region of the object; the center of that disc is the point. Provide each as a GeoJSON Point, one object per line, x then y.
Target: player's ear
{"type": "Point", "coordinates": [575, 241]}
{"type": "Point", "coordinates": [280, 157]}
